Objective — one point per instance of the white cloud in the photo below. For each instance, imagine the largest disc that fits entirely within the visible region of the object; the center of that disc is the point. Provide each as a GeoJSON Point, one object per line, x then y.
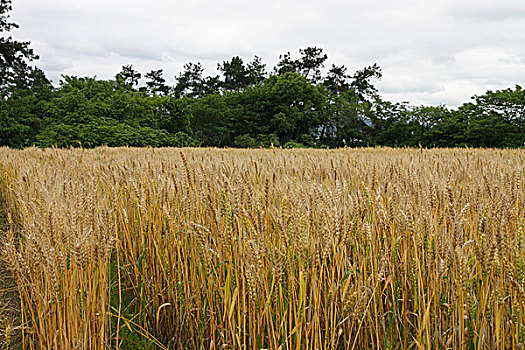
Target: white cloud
{"type": "Point", "coordinates": [431, 52]}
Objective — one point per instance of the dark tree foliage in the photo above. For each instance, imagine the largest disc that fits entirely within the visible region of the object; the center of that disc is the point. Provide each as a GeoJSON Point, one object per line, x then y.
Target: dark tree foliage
{"type": "Point", "coordinates": [286, 65]}
{"type": "Point", "coordinates": [235, 74]}
{"type": "Point", "coordinates": [361, 83]}
{"type": "Point", "coordinates": [191, 83]}
{"type": "Point", "coordinates": [128, 77]}
{"type": "Point", "coordinates": [309, 64]}
{"type": "Point", "coordinates": [15, 72]}
{"type": "Point", "coordinates": [238, 76]}
{"type": "Point", "coordinates": [337, 80]}
{"type": "Point", "coordinates": [256, 71]}
{"type": "Point", "coordinates": [155, 82]}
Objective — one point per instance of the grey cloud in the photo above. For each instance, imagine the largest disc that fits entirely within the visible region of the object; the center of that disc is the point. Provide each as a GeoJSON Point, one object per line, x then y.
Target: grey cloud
{"type": "Point", "coordinates": [486, 10]}
{"type": "Point", "coordinates": [51, 59]}
{"type": "Point", "coordinates": [410, 85]}
{"type": "Point", "coordinates": [513, 60]}
{"type": "Point", "coordinates": [135, 52]}
{"type": "Point", "coordinates": [444, 60]}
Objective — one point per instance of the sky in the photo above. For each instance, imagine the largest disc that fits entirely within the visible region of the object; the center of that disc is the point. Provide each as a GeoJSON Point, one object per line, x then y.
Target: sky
{"type": "Point", "coordinates": [431, 52]}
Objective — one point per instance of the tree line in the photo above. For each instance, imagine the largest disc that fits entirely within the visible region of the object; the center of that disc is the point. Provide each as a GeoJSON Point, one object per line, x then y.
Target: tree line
{"type": "Point", "coordinates": [298, 103]}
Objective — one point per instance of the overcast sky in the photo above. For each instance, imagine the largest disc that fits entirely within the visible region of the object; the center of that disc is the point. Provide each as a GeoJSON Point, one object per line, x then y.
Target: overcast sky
{"type": "Point", "coordinates": [431, 52]}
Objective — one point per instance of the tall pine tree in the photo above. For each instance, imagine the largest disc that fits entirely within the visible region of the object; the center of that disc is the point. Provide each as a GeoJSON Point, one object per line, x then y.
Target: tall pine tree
{"type": "Point", "coordinates": [15, 72]}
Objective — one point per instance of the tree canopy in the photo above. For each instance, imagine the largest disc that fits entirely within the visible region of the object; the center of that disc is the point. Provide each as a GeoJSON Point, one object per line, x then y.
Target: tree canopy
{"type": "Point", "coordinates": [300, 103]}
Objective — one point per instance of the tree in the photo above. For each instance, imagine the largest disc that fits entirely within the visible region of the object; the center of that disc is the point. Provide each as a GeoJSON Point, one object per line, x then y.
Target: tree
{"type": "Point", "coordinates": [191, 83]}
{"type": "Point", "coordinates": [235, 74]}
{"type": "Point", "coordinates": [128, 77]}
{"type": "Point", "coordinates": [346, 118]}
{"type": "Point", "coordinates": [156, 83]}
{"type": "Point", "coordinates": [238, 76]}
{"type": "Point", "coordinates": [311, 62]}
{"type": "Point", "coordinates": [15, 73]}
{"type": "Point", "coordinates": [391, 124]}
{"type": "Point", "coordinates": [309, 65]}
{"type": "Point", "coordinates": [296, 106]}
{"type": "Point", "coordinates": [256, 71]}
{"type": "Point", "coordinates": [337, 80]}
{"type": "Point", "coordinates": [251, 110]}
{"type": "Point", "coordinates": [212, 85]}
{"type": "Point", "coordinates": [211, 121]}
{"type": "Point", "coordinates": [435, 126]}
{"type": "Point", "coordinates": [21, 116]}
{"type": "Point", "coordinates": [507, 108]}
{"type": "Point", "coordinates": [361, 82]}
{"type": "Point", "coordinates": [286, 65]}
{"type": "Point", "coordinates": [345, 121]}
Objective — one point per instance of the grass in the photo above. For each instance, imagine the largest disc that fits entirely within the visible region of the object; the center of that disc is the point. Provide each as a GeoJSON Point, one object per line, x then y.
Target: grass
{"type": "Point", "coordinates": [281, 249]}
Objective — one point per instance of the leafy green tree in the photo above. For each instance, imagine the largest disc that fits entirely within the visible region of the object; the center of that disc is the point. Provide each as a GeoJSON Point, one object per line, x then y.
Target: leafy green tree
{"type": "Point", "coordinates": [453, 130]}
{"type": "Point", "coordinates": [91, 112]}
{"type": "Point", "coordinates": [483, 130]}
{"type": "Point", "coordinates": [435, 126]}
{"type": "Point", "coordinates": [59, 135]}
{"type": "Point", "coordinates": [497, 118]}
{"type": "Point", "coordinates": [297, 105]}
{"type": "Point", "coordinates": [15, 72]}
{"type": "Point", "coordinates": [391, 124]}
{"type": "Point", "coordinates": [268, 140]}
{"type": "Point", "coordinates": [293, 144]}
{"type": "Point", "coordinates": [212, 121]}
{"type": "Point", "coordinates": [345, 121]}
{"type": "Point", "coordinates": [212, 85]}
{"type": "Point", "coordinates": [21, 116]}
{"type": "Point", "coordinates": [173, 114]}
{"type": "Point", "coordinates": [245, 141]}
{"type": "Point", "coordinates": [181, 139]}
{"type": "Point", "coordinates": [250, 110]}
{"type": "Point", "coordinates": [346, 117]}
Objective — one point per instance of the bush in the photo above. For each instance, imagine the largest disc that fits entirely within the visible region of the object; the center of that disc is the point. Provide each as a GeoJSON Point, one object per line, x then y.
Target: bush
{"type": "Point", "coordinates": [245, 141]}
{"type": "Point", "coordinates": [268, 140]}
{"type": "Point", "coordinates": [306, 140]}
{"type": "Point", "coordinates": [181, 139]}
{"type": "Point", "coordinates": [58, 135]}
{"type": "Point", "coordinates": [110, 133]}
{"type": "Point", "coordinates": [293, 144]}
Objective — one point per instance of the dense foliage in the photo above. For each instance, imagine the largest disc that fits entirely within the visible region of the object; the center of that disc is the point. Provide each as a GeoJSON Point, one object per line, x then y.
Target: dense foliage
{"type": "Point", "coordinates": [298, 104]}
{"type": "Point", "coordinates": [285, 109]}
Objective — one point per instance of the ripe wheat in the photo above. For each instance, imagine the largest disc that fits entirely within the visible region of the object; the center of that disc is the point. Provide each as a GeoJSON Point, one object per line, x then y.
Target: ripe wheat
{"type": "Point", "coordinates": [281, 249]}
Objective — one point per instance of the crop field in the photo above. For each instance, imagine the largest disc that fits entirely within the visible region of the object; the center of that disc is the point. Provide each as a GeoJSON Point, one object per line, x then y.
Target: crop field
{"type": "Point", "coordinates": [123, 248]}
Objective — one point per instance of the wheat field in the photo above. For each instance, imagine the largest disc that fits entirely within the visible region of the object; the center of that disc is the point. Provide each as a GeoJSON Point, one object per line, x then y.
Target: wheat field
{"type": "Point", "coordinates": [262, 249]}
